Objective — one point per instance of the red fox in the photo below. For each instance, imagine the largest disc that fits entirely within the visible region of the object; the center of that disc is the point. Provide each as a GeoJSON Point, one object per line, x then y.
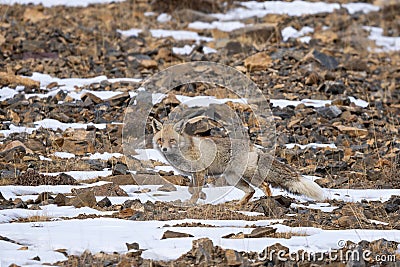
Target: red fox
{"type": "Point", "coordinates": [201, 156]}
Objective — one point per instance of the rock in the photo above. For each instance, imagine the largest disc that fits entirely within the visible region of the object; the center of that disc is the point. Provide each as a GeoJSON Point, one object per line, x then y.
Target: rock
{"type": "Point", "coordinates": [2, 197]}
{"type": "Point", "coordinates": [104, 203]}
{"type": "Point", "coordinates": [177, 179]}
{"type": "Point", "coordinates": [259, 61]}
{"type": "Point", "coordinates": [14, 149]}
{"type": "Point", "coordinates": [260, 232]}
{"type": "Point", "coordinates": [120, 168]}
{"type": "Point", "coordinates": [328, 62]}
{"type": "Point", "coordinates": [347, 221]}
{"type": "Point", "coordinates": [126, 179]}
{"type": "Point", "coordinates": [148, 63]}
{"type": "Point", "coordinates": [83, 199]}
{"type": "Point", "coordinates": [189, 15]}
{"type": "Point", "coordinates": [233, 258]}
{"type": "Point", "coordinates": [234, 47]}
{"type": "Point", "coordinates": [172, 234]}
{"type": "Point", "coordinates": [202, 250]}
{"type": "Point", "coordinates": [9, 79]}
{"type": "Point", "coordinates": [133, 245]}
{"type": "Point", "coordinates": [270, 207]}
{"type": "Point", "coordinates": [60, 200]}
{"type": "Point", "coordinates": [93, 98]}
{"type": "Point", "coordinates": [258, 34]}
{"type": "Point", "coordinates": [329, 112]}
{"type": "Point", "coordinates": [33, 178]}
{"type": "Point", "coordinates": [352, 131]}
{"type": "Point", "coordinates": [167, 188]}
{"type": "Point", "coordinates": [77, 141]}
{"type": "Point", "coordinates": [118, 99]}
{"type": "Point", "coordinates": [313, 78]}
{"type": "Point", "coordinates": [6, 174]}
{"type": "Point", "coordinates": [44, 196]}
{"type": "Point", "coordinates": [332, 87]}
{"type": "Point", "coordinates": [109, 189]}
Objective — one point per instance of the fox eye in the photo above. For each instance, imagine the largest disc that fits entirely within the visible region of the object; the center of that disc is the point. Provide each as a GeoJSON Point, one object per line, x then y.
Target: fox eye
{"type": "Point", "coordinates": [159, 141]}
{"type": "Point", "coordinates": [172, 141]}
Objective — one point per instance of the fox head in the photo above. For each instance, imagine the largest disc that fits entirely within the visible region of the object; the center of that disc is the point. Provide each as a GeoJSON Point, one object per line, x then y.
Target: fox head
{"type": "Point", "coordinates": [166, 137]}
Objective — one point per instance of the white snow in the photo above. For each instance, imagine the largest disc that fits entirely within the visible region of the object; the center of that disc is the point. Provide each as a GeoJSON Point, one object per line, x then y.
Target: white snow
{"type": "Point", "coordinates": [164, 17]}
{"type": "Point", "coordinates": [186, 50]}
{"type": "Point", "coordinates": [296, 8]}
{"type": "Point", "coordinates": [176, 34]}
{"type": "Point", "coordinates": [308, 102]}
{"type": "Point", "coordinates": [312, 145]}
{"type": "Point", "coordinates": [104, 156]}
{"type": "Point", "coordinates": [110, 235]}
{"type": "Point", "coordinates": [208, 50]}
{"type": "Point", "coordinates": [50, 211]}
{"type": "Point", "coordinates": [50, 124]}
{"type": "Point", "coordinates": [50, 3]}
{"type": "Point", "coordinates": [290, 32]}
{"type": "Point", "coordinates": [6, 93]}
{"type": "Point", "coordinates": [44, 158]}
{"type": "Point", "coordinates": [314, 102]}
{"type": "Point", "coordinates": [360, 7]}
{"type": "Point", "coordinates": [147, 154]}
{"type": "Point", "coordinates": [226, 26]}
{"type": "Point", "coordinates": [179, 35]}
{"type": "Point", "coordinates": [131, 32]}
{"type": "Point", "coordinates": [385, 43]}
{"type": "Point", "coordinates": [83, 175]}
{"type": "Point", "coordinates": [325, 207]}
{"type": "Point", "coordinates": [64, 155]}
{"type": "Point", "coordinates": [197, 101]}
{"type": "Point", "coordinates": [100, 94]}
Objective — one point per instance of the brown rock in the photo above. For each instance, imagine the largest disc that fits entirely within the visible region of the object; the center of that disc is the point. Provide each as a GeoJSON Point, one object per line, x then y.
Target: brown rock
{"type": "Point", "coordinates": [77, 141]}
{"type": "Point", "coordinates": [148, 63]}
{"type": "Point", "coordinates": [261, 232]}
{"type": "Point", "coordinates": [259, 61]}
{"type": "Point", "coordinates": [118, 99]}
{"type": "Point", "coordinates": [84, 199]}
{"type": "Point", "coordinates": [190, 15]}
{"type": "Point", "coordinates": [95, 99]}
{"type": "Point", "coordinates": [352, 131]}
{"type": "Point", "coordinates": [109, 189]}
{"type": "Point", "coordinates": [167, 188]}
{"type": "Point", "coordinates": [60, 199]}
{"type": "Point", "coordinates": [347, 221]}
{"type": "Point", "coordinates": [233, 258]}
{"type": "Point", "coordinates": [125, 179]}
{"type": "Point", "coordinates": [203, 250]}
{"type": "Point", "coordinates": [9, 79]}
{"type": "Point", "coordinates": [172, 234]}
{"type": "Point", "coordinates": [258, 34]}
{"type": "Point", "coordinates": [34, 15]}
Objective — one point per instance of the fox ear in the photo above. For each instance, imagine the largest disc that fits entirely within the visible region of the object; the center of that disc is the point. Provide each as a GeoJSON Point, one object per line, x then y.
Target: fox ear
{"type": "Point", "coordinates": [156, 125]}
{"type": "Point", "coordinates": [180, 126]}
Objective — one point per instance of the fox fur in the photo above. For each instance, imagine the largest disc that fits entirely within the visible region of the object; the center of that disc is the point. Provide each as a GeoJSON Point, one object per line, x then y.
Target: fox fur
{"type": "Point", "coordinates": [204, 156]}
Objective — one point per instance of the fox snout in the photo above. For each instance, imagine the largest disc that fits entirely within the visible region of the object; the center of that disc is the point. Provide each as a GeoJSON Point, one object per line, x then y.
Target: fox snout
{"type": "Point", "coordinates": [166, 145]}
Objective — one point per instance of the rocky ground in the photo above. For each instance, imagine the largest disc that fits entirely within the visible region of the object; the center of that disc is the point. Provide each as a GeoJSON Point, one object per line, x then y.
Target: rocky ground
{"type": "Point", "coordinates": [338, 63]}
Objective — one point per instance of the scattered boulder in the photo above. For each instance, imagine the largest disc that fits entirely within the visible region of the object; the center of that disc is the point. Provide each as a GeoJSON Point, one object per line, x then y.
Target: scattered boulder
{"type": "Point", "coordinates": [167, 188]}
{"type": "Point", "coordinates": [172, 234]}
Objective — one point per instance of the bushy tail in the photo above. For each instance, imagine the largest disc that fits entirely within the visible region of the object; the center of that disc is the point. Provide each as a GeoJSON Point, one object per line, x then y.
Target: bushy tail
{"type": "Point", "coordinates": [304, 186]}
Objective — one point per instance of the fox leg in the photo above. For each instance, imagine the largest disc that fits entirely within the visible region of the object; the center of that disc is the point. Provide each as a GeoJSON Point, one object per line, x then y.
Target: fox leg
{"type": "Point", "coordinates": [249, 191]}
{"type": "Point", "coordinates": [265, 188]}
{"type": "Point", "coordinates": [238, 182]}
{"type": "Point", "coordinates": [195, 187]}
